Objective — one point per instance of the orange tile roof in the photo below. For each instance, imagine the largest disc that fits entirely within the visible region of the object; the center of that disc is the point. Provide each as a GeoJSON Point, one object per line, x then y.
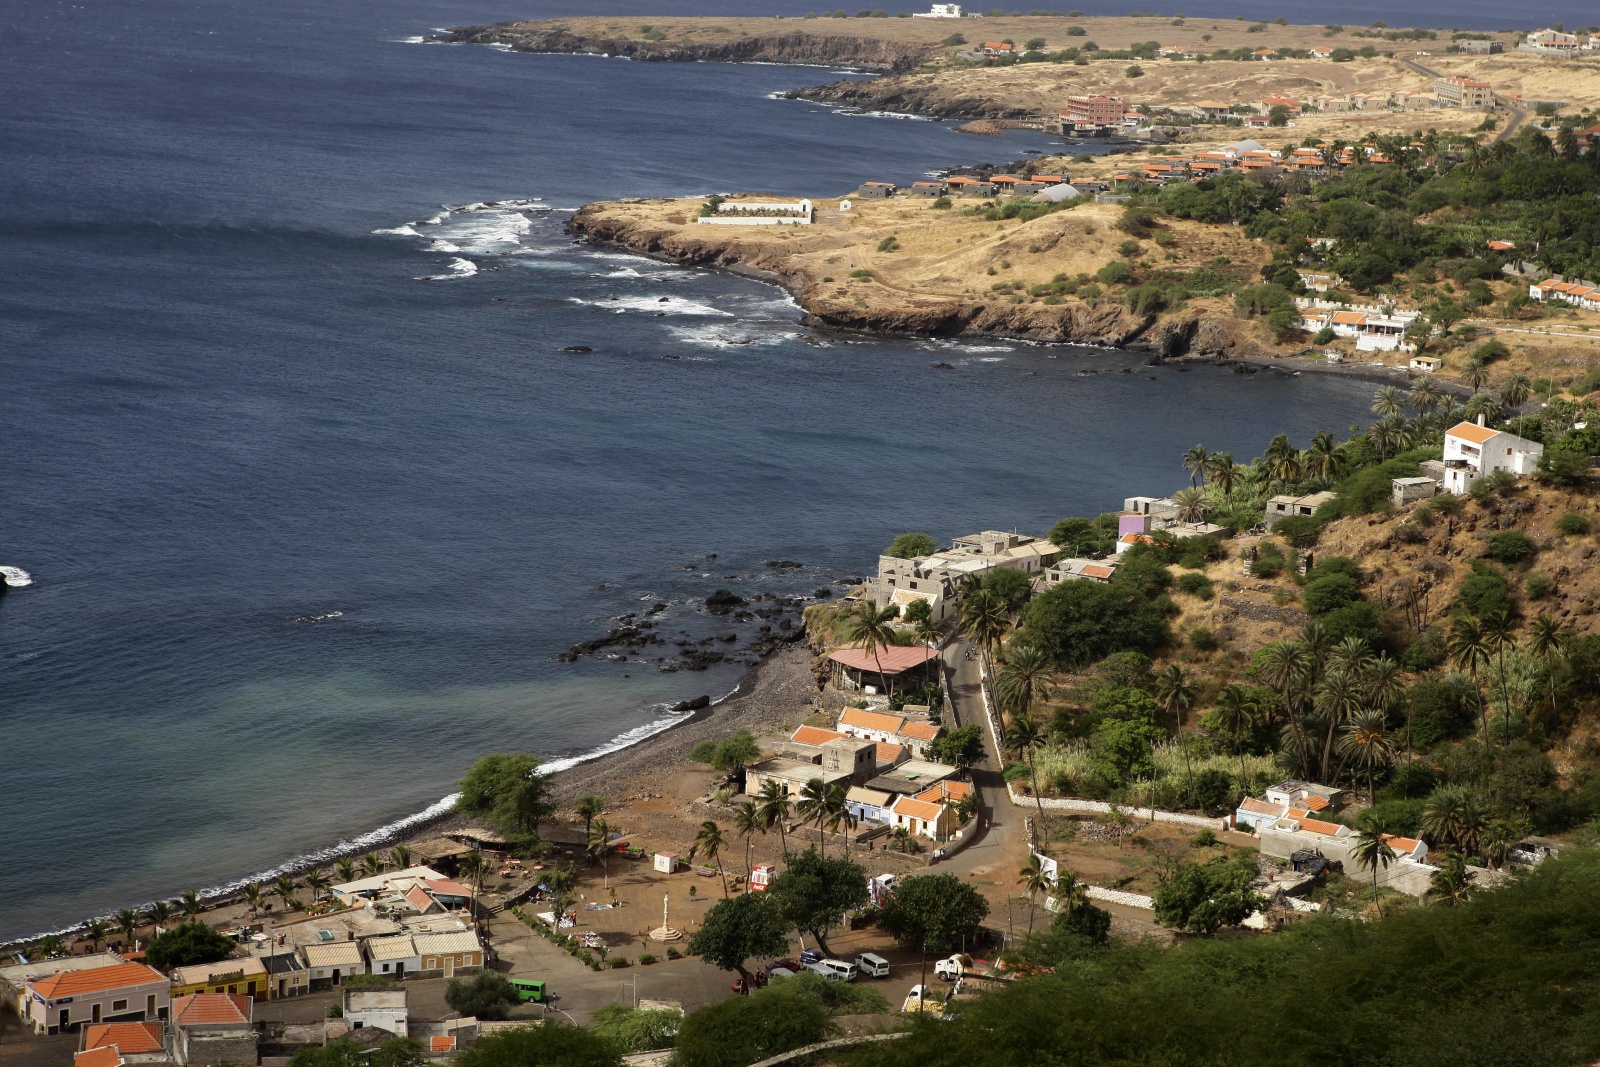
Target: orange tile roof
{"type": "Point", "coordinates": [128, 1037]}
{"type": "Point", "coordinates": [1314, 803]}
{"type": "Point", "coordinates": [862, 719]}
{"type": "Point", "coordinates": [1317, 826]}
{"type": "Point", "coordinates": [890, 753]}
{"type": "Point", "coordinates": [419, 898]}
{"type": "Point", "coordinates": [1349, 318]}
{"type": "Point", "coordinates": [1137, 538]}
{"type": "Point", "coordinates": [937, 794]}
{"type": "Point", "coordinates": [104, 1056]}
{"type": "Point", "coordinates": [1471, 431]}
{"type": "Point", "coordinates": [1402, 845]}
{"type": "Point", "coordinates": [814, 735]}
{"type": "Point", "coordinates": [202, 1009]}
{"type": "Point", "coordinates": [880, 185]}
{"type": "Point", "coordinates": [1096, 570]}
{"type": "Point", "coordinates": [446, 887]}
{"type": "Point", "coordinates": [1005, 178]}
{"type": "Point", "coordinates": [999, 46]}
{"type": "Point", "coordinates": [922, 731]}
{"type": "Point", "coordinates": [917, 809]}
{"type": "Point", "coordinates": [96, 980]}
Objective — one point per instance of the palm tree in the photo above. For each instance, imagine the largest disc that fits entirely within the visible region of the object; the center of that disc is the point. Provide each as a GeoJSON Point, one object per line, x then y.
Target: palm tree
{"type": "Point", "coordinates": [1514, 391]}
{"type": "Point", "coordinates": [1366, 743]}
{"type": "Point", "coordinates": [1481, 404]}
{"type": "Point", "coordinates": [253, 894]}
{"type": "Point", "coordinates": [1191, 505]}
{"type": "Point", "coordinates": [747, 823]}
{"type": "Point", "coordinates": [1425, 396]}
{"type": "Point", "coordinates": [774, 807]}
{"type": "Point", "coordinates": [284, 887]}
{"type": "Point", "coordinates": [1499, 635]}
{"type": "Point", "coordinates": [1025, 736]}
{"type": "Point", "coordinates": [587, 807]}
{"type": "Point", "coordinates": [1175, 695]}
{"type": "Point", "coordinates": [399, 857]}
{"type": "Point", "coordinates": [1070, 893]}
{"type": "Point", "coordinates": [1477, 374]}
{"type": "Point", "coordinates": [1194, 461]}
{"type": "Point", "coordinates": [814, 805]}
{"type": "Point", "coordinates": [128, 924]}
{"type": "Point", "coordinates": [984, 622]}
{"type": "Point", "coordinates": [1389, 434]}
{"type": "Point", "coordinates": [869, 627]}
{"type": "Point", "coordinates": [1548, 641]}
{"type": "Point", "coordinates": [1236, 714]}
{"type": "Point", "coordinates": [1033, 879]}
{"type": "Point", "coordinates": [1026, 676]}
{"type": "Point", "coordinates": [159, 915]}
{"type": "Point", "coordinates": [373, 863]}
{"type": "Point", "coordinates": [1352, 655]}
{"type": "Point", "coordinates": [1372, 850]}
{"type": "Point", "coordinates": [1338, 697]}
{"type": "Point", "coordinates": [1221, 472]}
{"type": "Point", "coordinates": [709, 842]}
{"type": "Point", "coordinates": [1389, 401]}
{"type": "Point", "coordinates": [1449, 886]}
{"type": "Point", "coordinates": [597, 843]}
{"type": "Point", "coordinates": [1455, 815]}
{"type": "Point", "coordinates": [1282, 462]}
{"type": "Point", "coordinates": [189, 903]}
{"type": "Point", "coordinates": [317, 880]}
{"type": "Point", "coordinates": [1469, 651]}
{"type": "Point", "coordinates": [1322, 456]}
{"type": "Point", "coordinates": [96, 930]}
{"type": "Point", "coordinates": [345, 868]}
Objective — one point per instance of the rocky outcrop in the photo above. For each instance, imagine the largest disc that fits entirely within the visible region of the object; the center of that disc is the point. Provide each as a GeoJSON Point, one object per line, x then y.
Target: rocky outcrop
{"type": "Point", "coordinates": [799, 48]}
{"type": "Point", "coordinates": [916, 96]}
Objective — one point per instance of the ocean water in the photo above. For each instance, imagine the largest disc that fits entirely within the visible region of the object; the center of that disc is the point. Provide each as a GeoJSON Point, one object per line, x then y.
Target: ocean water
{"type": "Point", "coordinates": [308, 490]}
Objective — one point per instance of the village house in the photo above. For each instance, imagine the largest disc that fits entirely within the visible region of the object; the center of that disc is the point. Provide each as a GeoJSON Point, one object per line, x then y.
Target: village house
{"type": "Point", "coordinates": [1283, 506]}
{"type": "Point", "coordinates": [211, 1029]}
{"type": "Point", "coordinates": [961, 185]}
{"type": "Point", "coordinates": [246, 976]}
{"type": "Point", "coordinates": [381, 1009]}
{"type": "Point", "coordinates": [121, 991]}
{"type": "Point", "coordinates": [875, 191]}
{"type": "Point", "coordinates": [1091, 570]}
{"type": "Point", "coordinates": [873, 671]}
{"type": "Point", "coordinates": [998, 48]}
{"type": "Point", "coordinates": [1425, 364]}
{"type": "Point", "coordinates": [940, 11]}
{"type": "Point", "coordinates": [922, 818]}
{"type": "Point", "coordinates": [14, 977]}
{"type": "Point", "coordinates": [1272, 100]}
{"type": "Point", "coordinates": [1403, 491]}
{"type": "Point", "coordinates": [911, 777]}
{"type": "Point", "coordinates": [791, 775]}
{"type": "Point", "coordinates": [115, 1044]}
{"type": "Point", "coordinates": [868, 807]}
{"type": "Point", "coordinates": [931, 190]}
{"type": "Point", "coordinates": [330, 963]}
{"type": "Point", "coordinates": [1551, 43]}
{"type": "Point", "coordinates": [1578, 294]}
{"type": "Point", "coordinates": [1472, 450]}
{"type": "Point", "coordinates": [448, 953]}
{"type": "Point", "coordinates": [936, 576]}
{"type": "Point", "coordinates": [1212, 110]}
{"type": "Point", "coordinates": [395, 956]}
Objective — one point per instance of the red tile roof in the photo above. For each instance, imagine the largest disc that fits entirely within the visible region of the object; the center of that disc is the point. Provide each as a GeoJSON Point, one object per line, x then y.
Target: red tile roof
{"type": "Point", "coordinates": [814, 735]}
{"type": "Point", "coordinates": [922, 731]}
{"type": "Point", "coordinates": [128, 1037]}
{"type": "Point", "coordinates": [203, 1009]}
{"type": "Point", "coordinates": [104, 1056]}
{"type": "Point", "coordinates": [1471, 431]}
{"type": "Point", "coordinates": [863, 719]}
{"type": "Point", "coordinates": [96, 980]}
{"type": "Point", "coordinates": [917, 809]}
{"type": "Point", "coordinates": [891, 660]}
{"type": "Point", "coordinates": [890, 753]}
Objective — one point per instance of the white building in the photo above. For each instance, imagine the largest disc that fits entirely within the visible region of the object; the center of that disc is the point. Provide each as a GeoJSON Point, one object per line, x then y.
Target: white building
{"type": "Point", "coordinates": [383, 1009]}
{"type": "Point", "coordinates": [1472, 450]}
{"type": "Point", "coordinates": [394, 956]}
{"type": "Point", "coordinates": [940, 11]}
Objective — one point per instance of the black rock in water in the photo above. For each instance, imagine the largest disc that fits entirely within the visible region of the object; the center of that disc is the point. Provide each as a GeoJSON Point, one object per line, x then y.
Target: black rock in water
{"type": "Point", "coordinates": [722, 601]}
{"type": "Point", "coordinates": [577, 348]}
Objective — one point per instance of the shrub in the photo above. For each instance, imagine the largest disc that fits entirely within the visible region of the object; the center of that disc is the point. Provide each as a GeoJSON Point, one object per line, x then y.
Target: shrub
{"type": "Point", "coordinates": [862, 273]}
{"type": "Point", "coordinates": [1301, 531]}
{"type": "Point", "coordinates": [888, 244]}
{"type": "Point", "coordinates": [1204, 839]}
{"type": "Point", "coordinates": [953, 40]}
{"type": "Point", "coordinates": [647, 959]}
{"type": "Point", "coordinates": [1196, 584]}
{"type": "Point", "coordinates": [1128, 249]}
{"type": "Point", "coordinates": [1509, 546]}
{"type": "Point", "coordinates": [941, 203]}
{"type": "Point", "coordinates": [1203, 639]}
{"type": "Point", "coordinates": [618, 961]}
{"type": "Point", "coordinates": [1323, 336]}
{"type": "Point", "coordinates": [487, 995]}
{"type": "Point", "coordinates": [1114, 273]}
{"type": "Point", "coordinates": [1539, 586]}
{"type": "Point", "coordinates": [1330, 592]}
{"type": "Point", "coordinates": [1572, 525]}
{"type": "Point", "coordinates": [1269, 561]}
{"type": "Point", "coordinates": [1484, 592]}
{"type": "Point", "coordinates": [186, 944]}
{"type": "Point", "coordinates": [1135, 71]}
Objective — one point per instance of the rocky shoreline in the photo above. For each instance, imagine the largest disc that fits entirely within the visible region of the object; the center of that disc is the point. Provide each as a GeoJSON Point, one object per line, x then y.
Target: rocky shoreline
{"type": "Point", "coordinates": [801, 49]}
{"type": "Point", "coordinates": [892, 94]}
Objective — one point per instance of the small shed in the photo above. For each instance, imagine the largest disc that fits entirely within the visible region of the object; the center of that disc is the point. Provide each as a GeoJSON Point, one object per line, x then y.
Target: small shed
{"type": "Point", "coordinates": [666, 862]}
{"type": "Point", "coordinates": [1406, 490]}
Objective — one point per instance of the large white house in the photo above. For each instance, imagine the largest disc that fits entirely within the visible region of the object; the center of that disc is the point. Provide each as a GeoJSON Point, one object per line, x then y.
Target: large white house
{"type": "Point", "coordinates": [1472, 450]}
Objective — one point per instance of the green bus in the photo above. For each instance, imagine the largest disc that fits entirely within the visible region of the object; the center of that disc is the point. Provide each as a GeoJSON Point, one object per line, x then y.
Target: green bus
{"type": "Point", "coordinates": [528, 989]}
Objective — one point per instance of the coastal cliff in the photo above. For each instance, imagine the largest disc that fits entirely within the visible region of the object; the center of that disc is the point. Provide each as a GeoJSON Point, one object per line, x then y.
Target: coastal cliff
{"type": "Point", "coordinates": [913, 96]}
{"type": "Point", "coordinates": [794, 47]}
{"type": "Point", "coordinates": [882, 304]}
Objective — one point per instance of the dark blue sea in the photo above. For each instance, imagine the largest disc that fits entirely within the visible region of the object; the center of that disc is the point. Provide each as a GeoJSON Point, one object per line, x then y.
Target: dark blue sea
{"type": "Point", "coordinates": [283, 304]}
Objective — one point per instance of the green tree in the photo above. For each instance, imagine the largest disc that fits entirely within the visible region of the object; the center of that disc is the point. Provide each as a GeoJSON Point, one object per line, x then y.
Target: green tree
{"type": "Point", "coordinates": [487, 995]}
{"type": "Point", "coordinates": [1449, 886]}
{"type": "Point", "coordinates": [735, 752]}
{"type": "Point", "coordinates": [160, 913]}
{"type": "Point", "coordinates": [737, 928]}
{"type": "Point", "coordinates": [747, 822]}
{"type": "Point", "coordinates": [636, 1029]}
{"type": "Point", "coordinates": [587, 807]}
{"type": "Point", "coordinates": [933, 912]}
{"type": "Point", "coordinates": [1079, 623]}
{"type": "Point", "coordinates": [745, 1030]}
{"type": "Point", "coordinates": [1372, 849]}
{"type": "Point", "coordinates": [343, 1052]}
{"type": "Point", "coordinates": [869, 627]}
{"type": "Point", "coordinates": [1203, 899]}
{"type": "Point", "coordinates": [1023, 738]}
{"type": "Point", "coordinates": [911, 545]}
{"type": "Point", "coordinates": [1033, 879]}
{"type": "Point", "coordinates": [185, 944]}
{"type": "Point", "coordinates": [708, 842]}
{"type": "Point", "coordinates": [1026, 676]}
{"type": "Point", "coordinates": [1235, 714]}
{"type": "Point", "coordinates": [813, 894]}
{"type": "Point", "coordinates": [127, 924]}
{"type": "Point", "coordinates": [553, 1044]}
{"type": "Point", "coordinates": [774, 806]}
{"type": "Point", "coordinates": [1194, 461]}
{"type": "Point", "coordinates": [507, 791]}
{"type": "Point", "coordinates": [961, 748]}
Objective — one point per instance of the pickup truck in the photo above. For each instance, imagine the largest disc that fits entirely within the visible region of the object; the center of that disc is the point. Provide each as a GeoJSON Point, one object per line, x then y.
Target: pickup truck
{"type": "Point", "coordinates": [954, 967]}
{"type": "Point", "coordinates": [922, 999]}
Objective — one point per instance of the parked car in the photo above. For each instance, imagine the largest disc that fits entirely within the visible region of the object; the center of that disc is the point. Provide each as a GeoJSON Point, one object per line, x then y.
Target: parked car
{"type": "Point", "coordinates": [811, 955]}
{"type": "Point", "coordinates": [835, 970]}
{"type": "Point", "coordinates": [873, 965]}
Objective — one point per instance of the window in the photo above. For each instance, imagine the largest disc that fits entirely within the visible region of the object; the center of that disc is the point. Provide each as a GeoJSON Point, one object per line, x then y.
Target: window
{"type": "Point", "coordinates": [119, 1005]}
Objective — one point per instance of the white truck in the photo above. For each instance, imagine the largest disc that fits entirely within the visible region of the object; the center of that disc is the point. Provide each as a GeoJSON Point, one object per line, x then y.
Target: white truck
{"type": "Point", "coordinates": [954, 967]}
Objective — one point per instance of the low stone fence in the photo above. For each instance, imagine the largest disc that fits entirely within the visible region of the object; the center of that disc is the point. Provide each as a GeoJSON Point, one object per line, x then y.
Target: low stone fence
{"type": "Point", "coordinates": [1118, 896]}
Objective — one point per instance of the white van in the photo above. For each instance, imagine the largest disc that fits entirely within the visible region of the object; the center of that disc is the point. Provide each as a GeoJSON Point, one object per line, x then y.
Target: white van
{"type": "Point", "coordinates": [835, 970]}
{"type": "Point", "coordinates": [873, 965]}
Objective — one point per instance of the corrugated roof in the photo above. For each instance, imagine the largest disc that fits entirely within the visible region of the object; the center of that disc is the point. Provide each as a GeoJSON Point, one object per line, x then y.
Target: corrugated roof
{"type": "Point", "coordinates": [436, 944]}
{"type": "Point", "coordinates": [891, 660]}
{"type": "Point", "coordinates": [201, 973]}
{"type": "Point", "coordinates": [333, 954]}
{"type": "Point", "coordinates": [207, 1009]}
{"type": "Point", "coordinates": [1471, 431]}
{"type": "Point", "coordinates": [130, 1038]}
{"type": "Point", "coordinates": [96, 980]}
{"type": "Point", "coordinates": [860, 794]}
{"type": "Point", "coordinates": [391, 948]}
{"type": "Point", "coordinates": [862, 719]}
{"type": "Point", "coordinates": [1261, 807]}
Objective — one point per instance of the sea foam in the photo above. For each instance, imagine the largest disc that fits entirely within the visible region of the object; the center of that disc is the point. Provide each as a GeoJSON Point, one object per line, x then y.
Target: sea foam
{"type": "Point", "coordinates": [15, 577]}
